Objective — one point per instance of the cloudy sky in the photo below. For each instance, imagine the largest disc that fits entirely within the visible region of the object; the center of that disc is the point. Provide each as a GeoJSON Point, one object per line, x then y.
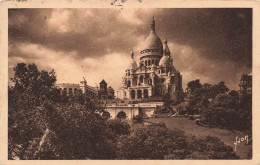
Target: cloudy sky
{"type": "Point", "coordinates": [208, 44]}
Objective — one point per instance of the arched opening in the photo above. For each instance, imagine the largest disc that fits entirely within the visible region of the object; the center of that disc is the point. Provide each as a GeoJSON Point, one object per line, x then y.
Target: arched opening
{"type": "Point", "coordinates": [159, 71]}
{"type": "Point", "coordinates": [121, 115]}
{"type": "Point", "coordinates": [64, 91]}
{"type": "Point", "coordinates": [159, 91]}
{"type": "Point", "coordinates": [139, 94]}
{"type": "Point", "coordinates": [75, 91]}
{"type": "Point", "coordinates": [152, 61]}
{"type": "Point", "coordinates": [128, 83]}
{"type": "Point", "coordinates": [149, 62]}
{"type": "Point", "coordinates": [163, 70]}
{"type": "Point", "coordinates": [70, 91]}
{"type": "Point", "coordinates": [132, 94]}
{"type": "Point", "coordinates": [145, 93]}
{"type": "Point", "coordinates": [106, 115]}
{"type": "Point", "coordinates": [141, 79]}
{"type": "Point", "coordinates": [145, 62]}
{"type": "Point", "coordinates": [163, 80]}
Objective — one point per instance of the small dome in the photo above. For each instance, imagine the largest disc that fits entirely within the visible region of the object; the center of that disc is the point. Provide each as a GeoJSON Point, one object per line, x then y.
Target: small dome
{"type": "Point", "coordinates": [132, 64]}
{"type": "Point", "coordinates": [165, 61]}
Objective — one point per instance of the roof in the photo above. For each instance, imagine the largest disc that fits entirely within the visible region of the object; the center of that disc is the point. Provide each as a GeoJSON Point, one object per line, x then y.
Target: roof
{"type": "Point", "coordinates": [103, 82]}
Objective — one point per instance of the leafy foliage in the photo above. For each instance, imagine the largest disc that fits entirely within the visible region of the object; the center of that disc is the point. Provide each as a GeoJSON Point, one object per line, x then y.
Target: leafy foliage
{"type": "Point", "coordinates": [45, 123]}
{"type": "Point", "coordinates": [158, 142]}
{"type": "Point", "coordinates": [219, 108]}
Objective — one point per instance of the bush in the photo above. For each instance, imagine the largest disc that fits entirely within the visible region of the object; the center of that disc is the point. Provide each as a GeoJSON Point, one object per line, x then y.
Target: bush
{"type": "Point", "coordinates": [118, 127]}
{"type": "Point", "coordinates": [158, 142]}
{"type": "Point", "coordinates": [138, 119]}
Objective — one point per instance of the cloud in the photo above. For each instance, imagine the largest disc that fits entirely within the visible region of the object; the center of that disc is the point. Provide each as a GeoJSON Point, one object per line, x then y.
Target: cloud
{"type": "Point", "coordinates": [110, 67]}
{"type": "Point", "coordinates": [59, 20]}
{"type": "Point", "coordinates": [210, 44]}
{"type": "Point", "coordinates": [193, 65]}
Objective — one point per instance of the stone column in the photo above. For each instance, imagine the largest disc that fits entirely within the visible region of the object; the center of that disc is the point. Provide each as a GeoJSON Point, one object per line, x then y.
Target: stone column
{"type": "Point", "coordinates": [150, 92]}
{"type": "Point", "coordinates": [138, 80]}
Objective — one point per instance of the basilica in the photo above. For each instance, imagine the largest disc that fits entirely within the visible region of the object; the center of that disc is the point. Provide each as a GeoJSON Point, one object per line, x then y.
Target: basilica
{"type": "Point", "coordinates": [154, 76]}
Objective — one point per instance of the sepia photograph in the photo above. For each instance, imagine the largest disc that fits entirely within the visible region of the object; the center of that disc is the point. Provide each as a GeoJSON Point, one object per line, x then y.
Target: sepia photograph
{"type": "Point", "coordinates": [130, 83]}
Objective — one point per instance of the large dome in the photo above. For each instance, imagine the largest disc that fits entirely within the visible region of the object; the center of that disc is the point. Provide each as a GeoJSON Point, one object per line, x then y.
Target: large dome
{"type": "Point", "coordinates": [153, 44]}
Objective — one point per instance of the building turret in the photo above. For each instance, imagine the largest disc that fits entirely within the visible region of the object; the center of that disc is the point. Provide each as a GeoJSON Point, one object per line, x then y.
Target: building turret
{"type": "Point", "coordinates": [132, 64]}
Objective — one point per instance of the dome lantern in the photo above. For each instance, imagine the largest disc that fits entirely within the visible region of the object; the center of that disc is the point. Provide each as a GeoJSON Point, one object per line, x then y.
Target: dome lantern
{"type": "Point", "coordinates": [153, 26]}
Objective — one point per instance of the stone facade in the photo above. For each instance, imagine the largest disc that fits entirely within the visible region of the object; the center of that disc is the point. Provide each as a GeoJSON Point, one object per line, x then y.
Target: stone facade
{"type": "Point", "coordinates": [155, 75]}
{"type": "Point", "coordinates": [73, 89]}
{"type": "Point", "coordinates": [131, 110]}
{"type": "Point", "coordinates": [93, 92]}
{"type": "Point", "coordinates": [105, 92]}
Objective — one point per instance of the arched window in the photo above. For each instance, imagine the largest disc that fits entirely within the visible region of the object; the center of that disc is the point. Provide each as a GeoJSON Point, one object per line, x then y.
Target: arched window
{"type": "Point", "coordinates": [145, 93]}
{"type": "Point", "coordinates": [70, 91]}
{"type": "Point", "coordinates": [139, 94]}
{"type": "Point", "coordinates": [132, 94]}
{"type": "Point", "coordinates": [141, 79]}
{"type": "Point", "coordinates": [163, 80]}
{"type": "Point", "coordinates": [145, 62]}
{"type": "Point", "coordinates": [121, 115]}
{"type": "Point", "coordinates": [65, 91]}
{"type": "Point", "coordinates": [149, 62]}
{"type": "Point", "coordinates": [128, 83]}
{"type": "Point", "coordinates": [163, 70]}
{"type": "Point", "coordinates": [75, 91]}
{"type": "Point", "coordinates": [152, 61]}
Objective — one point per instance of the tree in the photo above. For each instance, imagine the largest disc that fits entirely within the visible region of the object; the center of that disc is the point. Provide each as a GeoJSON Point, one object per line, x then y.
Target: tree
{"type": "Point", "coordinates": [192, 85]}
{"type": "Point", "coordinates": [80, 133]}
{"type": "Point", "coordinates": [42, 121]}
{"type": "Point", "coordinates": [31, 86]}
{"type": "Point", "coordinates": [156, 141]}
{"type": "Point", "coordinates": [25, 116]}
